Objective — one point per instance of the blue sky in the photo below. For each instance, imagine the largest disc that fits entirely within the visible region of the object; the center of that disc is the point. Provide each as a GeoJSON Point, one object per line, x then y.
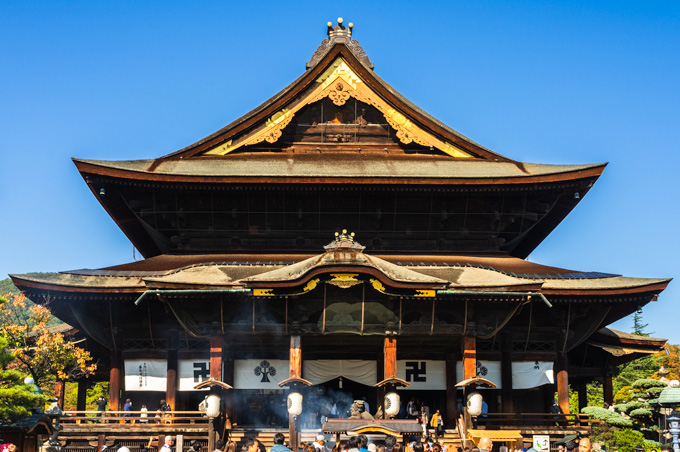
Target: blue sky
{"type": "Point", "coordinates": [545, 82]}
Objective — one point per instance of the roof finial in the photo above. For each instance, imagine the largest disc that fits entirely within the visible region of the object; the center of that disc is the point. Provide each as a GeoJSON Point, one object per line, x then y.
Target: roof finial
{"type": "Point", "coordinates": [340, 30]}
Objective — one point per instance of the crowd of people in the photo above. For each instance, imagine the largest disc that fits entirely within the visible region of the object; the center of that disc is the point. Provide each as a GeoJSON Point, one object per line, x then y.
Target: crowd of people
{"type": "Point", "coordinates": [361, 443]}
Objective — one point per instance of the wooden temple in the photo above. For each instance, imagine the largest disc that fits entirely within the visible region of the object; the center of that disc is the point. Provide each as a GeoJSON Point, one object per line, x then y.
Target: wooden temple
{"type": "Point", "coordinates": [337, 236]}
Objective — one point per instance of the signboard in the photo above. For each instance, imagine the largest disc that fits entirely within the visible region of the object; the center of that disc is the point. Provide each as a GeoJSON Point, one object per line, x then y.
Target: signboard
{"type": "Point", "coordinates": [192, 372]}
{"type": "Point", "coordinates": [260, 373]}
{"type": "Point", "coordinates": [541, 443]}
{"type": "Point", "coordinates": [146, 375]}
{"type": "Point", "coordinates": [422, 374]}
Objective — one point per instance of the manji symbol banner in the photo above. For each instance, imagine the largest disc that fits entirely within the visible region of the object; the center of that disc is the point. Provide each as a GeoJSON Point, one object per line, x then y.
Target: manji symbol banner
{"type": "Point", "coordinates": [260, 373]}
{"type": "Point", "coordinates": [145, 374]}
{"type": "Point", "coordinates": [192, 372]}
{"type": "Point", "coordinates": [422, 374]}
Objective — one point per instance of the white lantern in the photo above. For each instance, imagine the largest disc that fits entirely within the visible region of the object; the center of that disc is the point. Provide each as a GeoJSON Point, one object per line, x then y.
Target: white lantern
{"type": "Point", "coordinates": [392, 404]}
{"type": "Point", "coordinates": [295, 404]}
{"type": "Point", "coordinates": [474, 404]}
{"type": "Point", "coordinates": [212, 403]}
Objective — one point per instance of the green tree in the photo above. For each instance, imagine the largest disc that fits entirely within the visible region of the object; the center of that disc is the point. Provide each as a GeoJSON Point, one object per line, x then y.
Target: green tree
{"type": "Point", "coordinates": [16, 398]}
{"type": "Point", "coordinates": [37, 351]}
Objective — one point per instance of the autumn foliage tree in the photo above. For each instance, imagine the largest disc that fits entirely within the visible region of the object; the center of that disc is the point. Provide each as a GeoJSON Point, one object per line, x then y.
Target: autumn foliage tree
{"type": "Point", "coordinates": [38, 351]}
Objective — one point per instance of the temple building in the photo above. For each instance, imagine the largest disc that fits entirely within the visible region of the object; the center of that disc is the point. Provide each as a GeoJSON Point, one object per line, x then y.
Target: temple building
{"type": "Point", "coordinates": [340, 240]}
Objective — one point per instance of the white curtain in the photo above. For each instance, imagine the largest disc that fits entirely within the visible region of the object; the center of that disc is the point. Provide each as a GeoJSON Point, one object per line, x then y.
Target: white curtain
{"type": "Point", "coordinates": [531, 374]}
{"type": "Point", "coordinates": [192, 372]}
{"type": "Point", "coordinates": [146, 375]}
{"type": "Point", "coordinates": [322, 370]}
{"type": "Point", "coordinates": [525, 374]}
{"type": "Point", "coordinates": [422, 374]}
{"type": "Point", "coordinates": [260, 373]}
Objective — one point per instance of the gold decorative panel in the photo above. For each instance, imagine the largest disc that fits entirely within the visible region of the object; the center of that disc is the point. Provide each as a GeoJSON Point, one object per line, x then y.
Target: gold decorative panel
{"type": "Point", "coordinates": [339, 83]}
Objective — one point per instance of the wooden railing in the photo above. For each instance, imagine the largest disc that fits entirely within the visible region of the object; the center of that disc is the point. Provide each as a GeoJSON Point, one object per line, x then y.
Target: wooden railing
{"type": "Point", "coordinates": [134, 420]}
{"type": "Point", "coordinates": [538, 420]}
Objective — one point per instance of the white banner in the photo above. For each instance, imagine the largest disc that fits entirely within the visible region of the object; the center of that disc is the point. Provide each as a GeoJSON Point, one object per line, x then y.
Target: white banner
{"type": "Point", "coordinates": [532, 374]}
{"type": "Point", "coordinates": [422, 374]}
{"type": "Point", "coordinates": [491, 370]}
{"type": "Point", "coordinates": [145, 375]}
{"type": "Point", "coordinates": [260, 373]}
{"type": "Point", "coordinates": [322, 370]}
{"type": "Point", "coordinates": [525, 374]}
{"type": "Point", "coordinates": [192, 372]}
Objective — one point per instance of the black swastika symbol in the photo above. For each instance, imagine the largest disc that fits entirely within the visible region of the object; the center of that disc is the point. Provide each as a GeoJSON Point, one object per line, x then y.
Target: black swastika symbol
{"type": "Point", "coordinates": [416, 371]}
{"type": "Point", "coordinates": [201, 372]}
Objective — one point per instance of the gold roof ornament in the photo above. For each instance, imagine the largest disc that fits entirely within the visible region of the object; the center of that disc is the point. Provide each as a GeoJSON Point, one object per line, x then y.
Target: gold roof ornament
{"type": "Point", "coordinates": [344, 240]}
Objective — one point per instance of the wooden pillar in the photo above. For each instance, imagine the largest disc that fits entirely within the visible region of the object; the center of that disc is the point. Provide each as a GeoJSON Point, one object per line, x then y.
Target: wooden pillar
{"type": "Point", "coordinates": [389, 369]}
{"type": "Point", "coordinates": [81, 403]}
{"type": "Point", "coordinates": [582, 395]}
{"type": "Point", "coordinates": [296, 372]}
{"type": "Point", "coordinates": [608, 389]}
{"type": "Point", "coordinates": [216, 358]}
{"type": "Point", "coordinates": [451, 414]}
{"type": "Point", "coordinates": [507, 405]}
{"type": "Point", "coordinates": [60, 392]}
{"type": "Point", "coordinates": [469, 357]}
{"type": "Point", "coordinates": [171, 373]}
{"type": "Point", "coordinates": [562, 382]}
{"type": "Point", "coordinates": [228, 378]}
{"type": "Point", "coordinates": [115, 380]}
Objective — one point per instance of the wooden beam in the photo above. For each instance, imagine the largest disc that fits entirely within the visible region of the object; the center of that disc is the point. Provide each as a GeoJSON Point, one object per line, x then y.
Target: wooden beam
{"type": "Point", "coordinates": [59, 392]}
{"type": "Point", "coordinates": [295, 356]}
{"type": "Point", "coordinates": [81, 403]}
{"type": "Point", "coordinates": [469, 357]}
{"type": "Point", "coordinates": [608, 389]}
{"type": "Point", "coordinates": [451, 391]}
{"type": "Point", "coordinates": [171, 374]}
{"type": "Point", "coordinates": [562, 382]}
{"type": "Point", "coordinates": [390, 355]}
{"type": "Point", "coordinates": [216, 358]}
{"type": "Point", "coordinates": [115, 380]}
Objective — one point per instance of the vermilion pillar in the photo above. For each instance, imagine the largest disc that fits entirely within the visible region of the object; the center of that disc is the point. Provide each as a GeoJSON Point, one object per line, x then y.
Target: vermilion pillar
{"type": "Point", "coordinates": [216, 358]}
{"type": "Point", "coordinates": [115, 380]}
{"type": "Point", "coordinates": [562, 383]}
{"type": "Point", "coordinates": [171, 374]}
{"type": "Point", "coordinates": [469, 357]}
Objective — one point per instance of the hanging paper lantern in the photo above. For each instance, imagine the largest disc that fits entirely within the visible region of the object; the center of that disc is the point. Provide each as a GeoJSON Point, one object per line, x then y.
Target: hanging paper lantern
{"type": "Point", "coordinates": [294, 403]}
{"type": "Point", "coordinates": [474, 404]}
{"type": "Point", "coordinates": [392, 404]}
{"type": "Point", "coordinates": [212, 406]}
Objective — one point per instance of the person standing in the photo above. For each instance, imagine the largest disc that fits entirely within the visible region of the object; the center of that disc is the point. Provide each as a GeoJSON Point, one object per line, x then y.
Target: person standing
{"type": "Point", "coordinates": [144, 416]}
{"type": "Point", "coordinates": [101, 406]}
{"type": "Point", "coordinates": [437, 423]}
{"type": "Point", "coordinates": [127, 408]}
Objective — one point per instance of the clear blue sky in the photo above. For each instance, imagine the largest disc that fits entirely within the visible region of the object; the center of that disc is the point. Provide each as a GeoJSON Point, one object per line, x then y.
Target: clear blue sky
{"type": "Point", "coordinates": [546, 82]}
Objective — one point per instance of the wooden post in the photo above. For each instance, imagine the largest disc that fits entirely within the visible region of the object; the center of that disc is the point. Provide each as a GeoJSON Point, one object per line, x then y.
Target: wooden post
{"type": "Point", "coordinates": [608, 389]}
{"type": "Point", "coordinates": [506, 374]}
{"type": "Point", "coordinates": [60, 392]}
{"type": "Point", "coordinates": [469, 369]}
{"type": "Point", "coordinates": [562, 383]}
{"type": "Point", "coordinates": [171, 374]}
{"type": "Point", "coordinates": [179, 443]}
{"type": "Point", "coordinates": [295, 371]}
{"type": "Point", "coordinates": [451, 391]}
{"type": "Point", "coordinates": [81, 403]}
{"type": "Point", "coordinates": [390, 355]}
{"type": "Point", "coordinates": [216, 357]}
{"type": "Point", "coordinates": [582, 395]}
{"type": "Point", "coordinates": [101, 440]}
{"type": "Point", "coordinates": [469, 357]}
{"type": "Point", "coordinates": [115, 380]}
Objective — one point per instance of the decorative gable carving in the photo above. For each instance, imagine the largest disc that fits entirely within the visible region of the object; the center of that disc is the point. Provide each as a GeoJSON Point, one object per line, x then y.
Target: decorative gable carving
{"type": "Point", "coordinates": [338, 83]}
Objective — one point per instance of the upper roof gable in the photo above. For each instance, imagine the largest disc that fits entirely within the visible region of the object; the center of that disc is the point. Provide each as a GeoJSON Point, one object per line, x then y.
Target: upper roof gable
{"type": "Point", "coordinates": [338, 70]}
